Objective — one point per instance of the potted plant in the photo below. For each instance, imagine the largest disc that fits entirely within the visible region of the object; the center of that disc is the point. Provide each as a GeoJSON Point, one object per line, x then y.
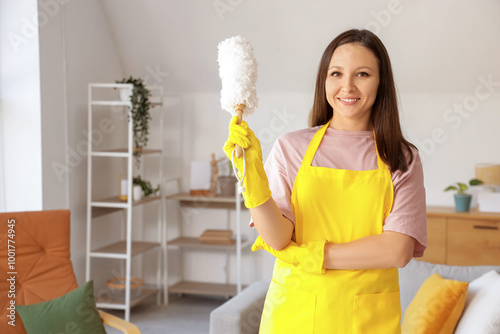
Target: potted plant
{"type": "Point", "coordinates": [140, 114]}
{"type": "Point", "coordinates": [462, 198]}
{"type": "Point", "coordinates": [146, 186]}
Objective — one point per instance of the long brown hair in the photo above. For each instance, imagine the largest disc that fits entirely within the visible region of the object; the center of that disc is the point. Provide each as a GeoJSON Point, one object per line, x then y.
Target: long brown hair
{"type": "Point", "coordinates": [390, 141]}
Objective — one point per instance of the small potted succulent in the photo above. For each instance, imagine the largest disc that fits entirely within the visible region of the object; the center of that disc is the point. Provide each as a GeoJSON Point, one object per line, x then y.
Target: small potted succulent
{"type": "Point", "coordinates": [462, 198]}
{"type": "Point", "coordinates": [147, 188]}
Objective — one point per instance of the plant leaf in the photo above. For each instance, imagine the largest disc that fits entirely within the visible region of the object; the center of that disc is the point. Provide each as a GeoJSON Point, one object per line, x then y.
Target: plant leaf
{"type": "Point", "coordinates": [462, 187]}
{"type": "Point", "coordinates": [475, 182]}
{"type": "Point", "coordinates": [451, 188]}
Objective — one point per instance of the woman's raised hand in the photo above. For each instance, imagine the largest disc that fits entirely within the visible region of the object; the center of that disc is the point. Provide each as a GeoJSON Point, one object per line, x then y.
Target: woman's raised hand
{"type": "Point", "coordinates": [255, 180]}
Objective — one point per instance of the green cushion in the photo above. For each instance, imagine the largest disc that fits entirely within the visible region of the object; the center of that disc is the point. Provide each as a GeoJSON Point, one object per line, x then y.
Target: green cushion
{"type": "Point", "coordinates": [75, 312]}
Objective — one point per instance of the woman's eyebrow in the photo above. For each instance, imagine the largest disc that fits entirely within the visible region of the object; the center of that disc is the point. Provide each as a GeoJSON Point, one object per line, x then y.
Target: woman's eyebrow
{"type": "Point", "coordinates": [356, 69]}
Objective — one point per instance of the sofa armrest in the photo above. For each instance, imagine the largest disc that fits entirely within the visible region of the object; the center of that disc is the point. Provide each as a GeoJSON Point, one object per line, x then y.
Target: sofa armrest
{"type": "Point", "coordinates": [118, 323]}
{"type": "Point", "coordinates": [241, 314]}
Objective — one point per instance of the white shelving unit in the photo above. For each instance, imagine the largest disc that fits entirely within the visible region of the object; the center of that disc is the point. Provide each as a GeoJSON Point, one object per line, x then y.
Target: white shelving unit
{"type": "Point", "coordinates": [186, 243]}
{"type": "Point", "coordinates": [127, 248]}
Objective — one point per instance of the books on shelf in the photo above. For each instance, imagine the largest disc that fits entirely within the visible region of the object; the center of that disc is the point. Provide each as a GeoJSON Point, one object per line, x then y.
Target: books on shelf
{"type": "Point", "coordinates": [217, 237]}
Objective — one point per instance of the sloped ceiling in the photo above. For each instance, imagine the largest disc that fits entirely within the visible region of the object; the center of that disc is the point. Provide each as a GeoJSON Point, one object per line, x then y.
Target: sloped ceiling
{"type": "Point", "coordinates": [434, 46]}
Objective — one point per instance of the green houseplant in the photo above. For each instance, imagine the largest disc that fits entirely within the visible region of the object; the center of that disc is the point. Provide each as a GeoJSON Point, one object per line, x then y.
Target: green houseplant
{"type": "Point", "coordinates": [146, 186]}
{"type": "Point", "coordinates": [462, 197]}
{"type": "Point", "coordinates": [140, 114]}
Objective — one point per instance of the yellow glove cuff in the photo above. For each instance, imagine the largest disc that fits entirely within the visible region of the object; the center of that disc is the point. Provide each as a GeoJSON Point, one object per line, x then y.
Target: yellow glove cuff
{"type": "Point", "coordinates": [308, 257]}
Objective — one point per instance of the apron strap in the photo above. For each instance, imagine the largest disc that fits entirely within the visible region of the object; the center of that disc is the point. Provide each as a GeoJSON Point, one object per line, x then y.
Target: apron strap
{"type": "Point", "coordinates": [382, 166]}
{"type": "Point", "coordinates": [313, 145]}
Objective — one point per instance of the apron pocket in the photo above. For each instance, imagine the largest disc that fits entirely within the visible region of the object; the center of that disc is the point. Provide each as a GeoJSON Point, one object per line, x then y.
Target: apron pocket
{"type": "Point", "coordinates": [287, 311]}
{"type": "Point", "coordinates": [378, 313]}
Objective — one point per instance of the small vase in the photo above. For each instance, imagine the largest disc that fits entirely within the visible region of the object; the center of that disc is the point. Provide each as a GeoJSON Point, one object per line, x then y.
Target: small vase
{"type": "Point", "coordinates": [462, 203]}
{"type": "Point", "coordinates": [227, 185]}
{"type": "Point", "coordinates": [137, 191]}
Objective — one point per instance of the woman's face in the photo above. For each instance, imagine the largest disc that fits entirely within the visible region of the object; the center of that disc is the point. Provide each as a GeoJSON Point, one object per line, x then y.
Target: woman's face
{"type": "Point", "coordinates": [351, 86]}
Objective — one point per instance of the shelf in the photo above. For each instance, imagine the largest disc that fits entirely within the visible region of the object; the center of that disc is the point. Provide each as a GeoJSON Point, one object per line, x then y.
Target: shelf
{"type": "Point", "coordinates": [201, 288]}
{"type": "Point", "coordinates": [122, 152]}
{"type": "Point", "coordinates": [106, 97]}
{"type": "Point", "coordinates": [98, 212]}
{"type": "Point", "coordinates": [224, 202]}
{"type": "Point", "coordinates": [111, 85]}
{"type": "Point", "coordinates": [115, 203]}
{"type": "Point", "coordinates": [111, 103]}
{"type": "Point", "coordinates": [217, 199]}
{"type": "Point", "coordinates": [118, 250]}
{"type": "Point", "coordinates": [146, 292]}
{"type": "Point", "coordinates": [122, 103]}
{"type": "Point", "coordinates": [192, 242]}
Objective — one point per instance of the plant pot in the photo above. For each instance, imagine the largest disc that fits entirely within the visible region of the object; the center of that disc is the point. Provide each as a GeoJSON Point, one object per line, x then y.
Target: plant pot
{"type": "Point", "coordinates": [125, 94]}
{"type": "Point", "coordinates": [462, 203]}
{"type": "Point", "coordinates": [137, 191]}
{"type": "Point", "coordinates": [227, 185]}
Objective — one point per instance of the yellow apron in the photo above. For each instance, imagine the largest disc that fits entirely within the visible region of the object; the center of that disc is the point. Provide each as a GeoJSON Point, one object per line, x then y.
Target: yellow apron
{"type": "Point", "coordinates": [339, 206]}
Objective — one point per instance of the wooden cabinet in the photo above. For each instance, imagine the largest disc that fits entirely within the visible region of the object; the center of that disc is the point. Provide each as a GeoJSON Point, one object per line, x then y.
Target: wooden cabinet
{"type": "Point", "coordinates": [436, 239]}
{"type": "Point", "coordinates": [456, 238]}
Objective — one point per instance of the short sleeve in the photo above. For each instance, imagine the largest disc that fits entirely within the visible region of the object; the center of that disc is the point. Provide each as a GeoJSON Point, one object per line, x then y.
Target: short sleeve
{"type": "Point", "coordinates": [408, 215]}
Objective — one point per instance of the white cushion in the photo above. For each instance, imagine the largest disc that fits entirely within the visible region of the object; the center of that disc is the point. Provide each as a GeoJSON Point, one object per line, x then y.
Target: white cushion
{"type": "Point", "coordinates": [482, 306]}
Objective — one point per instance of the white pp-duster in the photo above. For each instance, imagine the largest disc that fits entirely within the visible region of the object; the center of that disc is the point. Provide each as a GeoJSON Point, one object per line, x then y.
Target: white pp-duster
{"type": "Point", "coordinates": [238, 73]}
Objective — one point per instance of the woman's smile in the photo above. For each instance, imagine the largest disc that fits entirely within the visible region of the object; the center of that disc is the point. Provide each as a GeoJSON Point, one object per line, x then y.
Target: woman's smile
{"type": "Point", "coordinates": [349, 101]}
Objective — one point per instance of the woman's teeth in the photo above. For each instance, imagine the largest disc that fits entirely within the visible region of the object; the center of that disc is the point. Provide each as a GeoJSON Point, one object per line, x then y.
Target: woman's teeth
{"type": "Point", "coordinates": [348, 100]}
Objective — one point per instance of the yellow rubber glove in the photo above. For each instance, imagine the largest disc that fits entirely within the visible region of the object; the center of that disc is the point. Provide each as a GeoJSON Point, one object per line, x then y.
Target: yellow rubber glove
{"type": "Point", "coordinates": [255, 181]}
{"type": "Point", "coordinates": [307, 257]}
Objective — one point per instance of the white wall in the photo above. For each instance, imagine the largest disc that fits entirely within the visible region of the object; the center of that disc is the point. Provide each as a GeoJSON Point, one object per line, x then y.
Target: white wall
{"type": "Point", "coordinates": [91, 56]}
{"type": "Point", "coordinates": [20, 106]}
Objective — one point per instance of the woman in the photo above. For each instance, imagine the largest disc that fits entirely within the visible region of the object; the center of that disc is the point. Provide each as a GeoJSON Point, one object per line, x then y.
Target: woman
{"type": "Point", "coordinates": [348, 201]}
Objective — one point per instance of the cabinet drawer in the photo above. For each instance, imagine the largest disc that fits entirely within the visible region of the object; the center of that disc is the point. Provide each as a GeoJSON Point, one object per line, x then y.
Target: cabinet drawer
{"type": "Point", "coordinates": [473, 242]}
{"type": "Point", "coordinates": [436, 240]}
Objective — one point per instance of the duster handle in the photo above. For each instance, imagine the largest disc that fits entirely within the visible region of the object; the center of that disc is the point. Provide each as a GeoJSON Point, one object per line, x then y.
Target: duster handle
{"type": "Point", "coordinates": [238, 109]}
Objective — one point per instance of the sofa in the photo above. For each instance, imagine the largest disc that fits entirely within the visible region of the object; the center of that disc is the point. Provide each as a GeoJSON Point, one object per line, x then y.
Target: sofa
{"type": "Point", "coordinates": [241, 314]}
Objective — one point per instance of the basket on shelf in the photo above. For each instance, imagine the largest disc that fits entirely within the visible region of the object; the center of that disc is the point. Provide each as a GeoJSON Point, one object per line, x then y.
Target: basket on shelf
{"type": "Point", "coordinates": [117, 286]}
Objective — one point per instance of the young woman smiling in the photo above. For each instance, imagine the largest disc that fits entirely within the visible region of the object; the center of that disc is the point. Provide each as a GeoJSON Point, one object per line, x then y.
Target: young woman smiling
{"type": "Point", "coordinates": [340, 204]}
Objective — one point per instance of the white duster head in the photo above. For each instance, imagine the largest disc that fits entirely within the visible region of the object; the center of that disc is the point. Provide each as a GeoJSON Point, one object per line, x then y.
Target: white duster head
{"type": "Point", "coordinates": [238, 72]}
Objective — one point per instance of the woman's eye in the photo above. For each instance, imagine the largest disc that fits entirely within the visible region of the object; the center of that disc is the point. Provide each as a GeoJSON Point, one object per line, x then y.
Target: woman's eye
{"type": "Point", "coordinates": [363, 74]}
{"type": "Point", "coordinates": [335, 74]}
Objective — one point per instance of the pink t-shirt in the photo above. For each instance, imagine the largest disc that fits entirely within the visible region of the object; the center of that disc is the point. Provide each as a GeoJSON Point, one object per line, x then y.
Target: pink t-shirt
{"type": "Point", "coordinates": [351, 150]}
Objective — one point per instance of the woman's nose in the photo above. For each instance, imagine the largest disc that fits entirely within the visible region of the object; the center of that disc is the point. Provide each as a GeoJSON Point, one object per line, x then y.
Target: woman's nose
{"type": "Point", "coordinates": [348, 84]}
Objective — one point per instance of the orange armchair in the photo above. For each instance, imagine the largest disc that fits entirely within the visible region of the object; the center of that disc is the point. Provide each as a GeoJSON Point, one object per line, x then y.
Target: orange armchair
{"type": "Point", "coordinates": [40, 241]}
